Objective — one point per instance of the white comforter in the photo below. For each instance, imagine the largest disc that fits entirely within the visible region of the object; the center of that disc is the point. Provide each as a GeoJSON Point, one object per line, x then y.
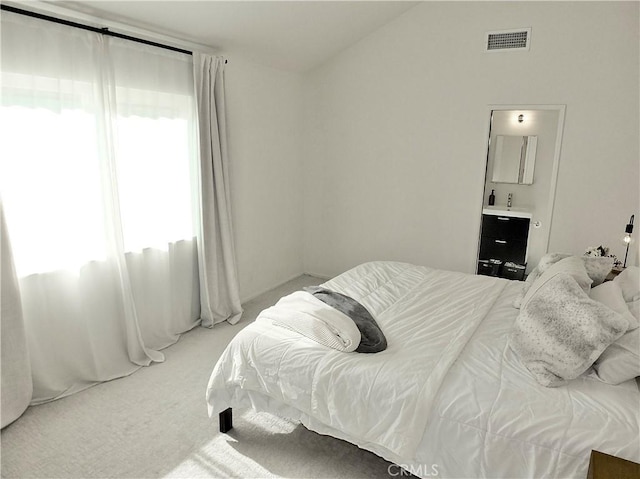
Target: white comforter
{"type": "Point", "coordinates": [446, 392]}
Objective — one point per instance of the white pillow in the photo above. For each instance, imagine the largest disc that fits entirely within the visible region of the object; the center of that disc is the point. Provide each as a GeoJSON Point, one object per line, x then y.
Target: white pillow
{"type": "Point", "coordinates": [571, 265]}
{"type": "Point", "coordinates": [634, 309]}
{"type": "Point", "coordinates": [610, 295]}
{"type": "Point", "coordinates": [629, 282]}
{"type": "Point", "coordinates": [550, 259]}
{"type": "Point", "coordinates": [620, 361]}
{"type": "Point", "coordinates": [560, 331]}
{"type": "Point", "coordinates": [598, 267]}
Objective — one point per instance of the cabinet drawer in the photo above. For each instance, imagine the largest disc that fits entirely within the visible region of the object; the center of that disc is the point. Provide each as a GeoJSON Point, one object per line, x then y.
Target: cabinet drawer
{"type": "Point", "coordinates": [505, 227]}
{"type": "Point", "coordinates": [489, 267]}
{"type": "Point", "coordinates": [503, 249]}
{"type": "Point", "coordinates": [512, 271]}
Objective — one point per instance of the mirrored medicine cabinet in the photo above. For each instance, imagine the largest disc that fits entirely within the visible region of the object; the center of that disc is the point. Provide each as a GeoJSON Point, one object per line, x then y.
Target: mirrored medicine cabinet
{"type": "Point", "coordinates": [514, 159]}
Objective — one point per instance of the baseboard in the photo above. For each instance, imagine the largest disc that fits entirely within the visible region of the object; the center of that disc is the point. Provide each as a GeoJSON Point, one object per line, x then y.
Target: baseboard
{"type": "Point", "coordinates": [319, 276]}
{"type": "Point", "coordinates": [266, 290]}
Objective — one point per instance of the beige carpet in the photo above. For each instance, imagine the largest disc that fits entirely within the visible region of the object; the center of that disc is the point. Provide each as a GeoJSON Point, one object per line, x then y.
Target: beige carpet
{"type": "Point", "coordinates": [154, 424]}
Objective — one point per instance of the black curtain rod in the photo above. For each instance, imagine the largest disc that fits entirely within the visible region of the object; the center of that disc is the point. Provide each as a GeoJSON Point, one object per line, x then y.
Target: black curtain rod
{"type": "Point", "coordinates": [103, 31]}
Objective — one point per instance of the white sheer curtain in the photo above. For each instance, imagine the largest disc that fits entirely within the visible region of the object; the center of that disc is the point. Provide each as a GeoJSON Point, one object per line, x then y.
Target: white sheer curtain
{"type": "Point", "coordinates": [220, 297]}
{"type": "Point", "coordinates": [98, 172]}
{"type": "Point", "coordinates": [16, 388]}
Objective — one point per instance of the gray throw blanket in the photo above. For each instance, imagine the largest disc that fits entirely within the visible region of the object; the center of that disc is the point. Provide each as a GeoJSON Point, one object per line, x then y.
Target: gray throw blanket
{"type": "Point", "coordinates": [373, 339]}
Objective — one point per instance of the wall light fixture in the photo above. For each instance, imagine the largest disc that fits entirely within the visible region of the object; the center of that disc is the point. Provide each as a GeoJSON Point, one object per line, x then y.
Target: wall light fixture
{"type": "Point", "coordinates": [627, 239]}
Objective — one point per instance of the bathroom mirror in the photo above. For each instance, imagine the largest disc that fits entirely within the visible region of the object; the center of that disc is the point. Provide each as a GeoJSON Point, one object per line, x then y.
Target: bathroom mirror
{"type": "Point", "coordinates": [514, 159]}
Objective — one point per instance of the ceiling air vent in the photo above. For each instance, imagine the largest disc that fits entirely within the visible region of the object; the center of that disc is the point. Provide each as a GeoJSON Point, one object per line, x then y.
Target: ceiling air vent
{"type": "Point", "coordinates": [508, 40]}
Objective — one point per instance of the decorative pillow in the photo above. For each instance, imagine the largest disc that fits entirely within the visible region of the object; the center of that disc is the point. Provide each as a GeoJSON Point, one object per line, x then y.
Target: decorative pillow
{"type": "Point", "coordinates": [550, 259]}
{"type": "Point", "coordinates": [533, 275]}
{"type": "Point", "coordinates": [629, 282]}
{"type": "Point", "coordinates": [610, 295]}
{"type": "Point", "coordinates": [560, 331]}
{"type": "Point", "coordinates": [620, 361]}
{"type": "Point", "coordinates": [598, 267]}
{"type": "Point", "coordinates": [571, 265]}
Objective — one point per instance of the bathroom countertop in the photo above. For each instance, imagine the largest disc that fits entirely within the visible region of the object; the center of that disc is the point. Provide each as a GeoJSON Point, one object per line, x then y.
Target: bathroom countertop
{"type": "Point", "coordinates": [503, 210]}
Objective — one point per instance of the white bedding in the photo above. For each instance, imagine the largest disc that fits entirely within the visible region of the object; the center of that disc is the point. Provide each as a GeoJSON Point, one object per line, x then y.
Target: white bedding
{"type": "Point", "coordinates": [446, 392]}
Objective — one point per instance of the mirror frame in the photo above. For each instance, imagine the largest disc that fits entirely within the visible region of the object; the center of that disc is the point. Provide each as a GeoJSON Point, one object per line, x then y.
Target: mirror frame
{"type": "Point", "coordinates": [561, 109]}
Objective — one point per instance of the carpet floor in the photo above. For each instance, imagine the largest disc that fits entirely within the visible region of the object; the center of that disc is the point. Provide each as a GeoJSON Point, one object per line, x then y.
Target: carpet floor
{"type": "Point", "coordinates": [154, 424]}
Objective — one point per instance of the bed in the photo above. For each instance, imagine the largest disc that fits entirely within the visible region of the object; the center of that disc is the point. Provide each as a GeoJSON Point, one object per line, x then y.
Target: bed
{"type": "Point", "coordinates": [448, 396]}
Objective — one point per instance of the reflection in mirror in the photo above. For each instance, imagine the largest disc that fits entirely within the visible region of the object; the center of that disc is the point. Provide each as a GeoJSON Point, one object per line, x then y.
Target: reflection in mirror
{"type": "Point", "coordinates": [515, 158]}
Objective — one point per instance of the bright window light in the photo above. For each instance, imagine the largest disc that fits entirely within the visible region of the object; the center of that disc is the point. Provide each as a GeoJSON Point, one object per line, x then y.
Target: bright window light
{"type": "Point", "coordinates": [50, 184]}
{"type": "Point", "coordinates": [154, 181]}
{"type": "Point", "coordinates": [55, 174]}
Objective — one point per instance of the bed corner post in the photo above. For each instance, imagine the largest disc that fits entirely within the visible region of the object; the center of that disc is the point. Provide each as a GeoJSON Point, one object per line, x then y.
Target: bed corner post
{"type": "Point", "coordinates": [226, 420]}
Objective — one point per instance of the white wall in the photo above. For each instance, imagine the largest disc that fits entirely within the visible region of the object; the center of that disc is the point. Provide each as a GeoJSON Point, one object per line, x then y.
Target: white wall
{"type": "Point", "coordinates": [395, 137]}
{"type": "Point", "coordinates": [264, 123]}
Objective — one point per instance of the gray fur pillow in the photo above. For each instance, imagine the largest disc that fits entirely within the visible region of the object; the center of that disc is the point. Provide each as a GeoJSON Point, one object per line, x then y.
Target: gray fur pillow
{"type": "Point", "coordinates": [560, 331]}
{"type": "Point", "coordinates": [533, 275]}
{"type": "Point", "coordinates": [572, 266]}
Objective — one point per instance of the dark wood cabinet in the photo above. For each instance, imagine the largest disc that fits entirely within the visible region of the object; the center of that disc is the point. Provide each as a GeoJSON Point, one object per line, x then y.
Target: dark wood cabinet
{"type": "Point", "coordinates": [505, 227]}
{"type": "Point", "coordinates": [503, 246]}
{"type": "Point", "coordinates": [503, 249]}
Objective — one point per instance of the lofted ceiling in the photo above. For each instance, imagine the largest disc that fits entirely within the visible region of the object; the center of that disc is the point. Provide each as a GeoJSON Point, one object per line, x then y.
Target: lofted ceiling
{"type": "Point", "coordinates": [290, 35]}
